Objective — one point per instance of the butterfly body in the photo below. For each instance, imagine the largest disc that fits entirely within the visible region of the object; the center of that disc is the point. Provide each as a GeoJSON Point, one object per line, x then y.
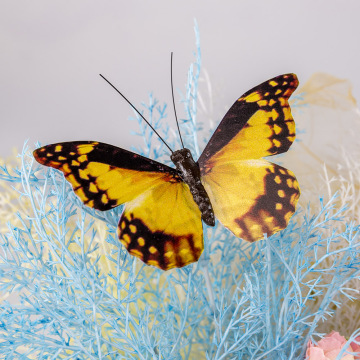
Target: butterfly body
{"type": "Point", "coordinates": [164, 207]}
{"type": "Point", "coordinates": [190, 173]}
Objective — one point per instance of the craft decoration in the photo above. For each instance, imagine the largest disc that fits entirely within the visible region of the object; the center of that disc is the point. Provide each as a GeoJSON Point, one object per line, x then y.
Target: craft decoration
{"type": "Point", "coordinates": [161, 222]}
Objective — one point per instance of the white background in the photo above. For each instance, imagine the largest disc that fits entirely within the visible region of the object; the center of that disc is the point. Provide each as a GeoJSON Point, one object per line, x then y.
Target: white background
{"type": "Point", "coordinates": [52, 52]}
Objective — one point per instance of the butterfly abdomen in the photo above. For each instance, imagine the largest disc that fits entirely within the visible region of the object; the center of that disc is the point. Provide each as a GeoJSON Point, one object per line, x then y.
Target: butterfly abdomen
{"type": "Point", "coordinates": [190, 174]}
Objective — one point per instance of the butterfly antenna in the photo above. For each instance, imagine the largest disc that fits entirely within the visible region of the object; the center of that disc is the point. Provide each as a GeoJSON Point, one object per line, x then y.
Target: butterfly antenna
{"type": "Point", "coordinates": [172, 92]}
{"type": "Point", "coordinates": [137, 112]}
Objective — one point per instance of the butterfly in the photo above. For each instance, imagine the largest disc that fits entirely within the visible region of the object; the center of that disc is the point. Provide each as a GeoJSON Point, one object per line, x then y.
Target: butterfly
{"type": "Point", "coordinates": [164, 207]}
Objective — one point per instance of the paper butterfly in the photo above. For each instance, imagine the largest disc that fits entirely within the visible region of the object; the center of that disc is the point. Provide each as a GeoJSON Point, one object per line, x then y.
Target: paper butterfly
{"type": "Point", "coordinates": [164, 207]}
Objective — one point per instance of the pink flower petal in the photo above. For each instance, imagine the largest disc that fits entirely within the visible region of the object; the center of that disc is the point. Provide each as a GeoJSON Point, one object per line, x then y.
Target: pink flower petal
{"type": "Point", "coordinates": [337, 336]}
{"type": "Point", "coordinates": [315, 353]}
{"type": "Point", "coordinates": [331, 355]}
{"type": "Point", "coordinates": [356, 348]}
{"type": "Point", "coordinates": [329, 348]}
{"type": "Point", "coordinates": [332, 341]}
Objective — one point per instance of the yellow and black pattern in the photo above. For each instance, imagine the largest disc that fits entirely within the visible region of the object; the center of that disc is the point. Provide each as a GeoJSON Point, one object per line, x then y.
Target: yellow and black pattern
{"type": "Point", "coordinates": [261, 200]}
{"type": "Point", "coordinates": [104, 176]}
{"type": "Point", "coordinates": [258, 124]}
{"type": "Point", "coordinates": [251, 196]}
{"type": "Point", "coordinates": [163, 227]}
{"type": "Point", "coordinates": [161, 223]}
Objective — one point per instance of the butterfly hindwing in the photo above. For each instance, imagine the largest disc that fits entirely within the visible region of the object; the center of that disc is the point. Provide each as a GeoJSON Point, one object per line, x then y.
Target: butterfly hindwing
{"type": "Point", "coordinates": [163, 226]}
{"type": "Point", "coordinates": [258, 124]}
{"type": "Point", "coordinates": [252, 197]}
{"type": "Point", "coordinates": [102, 175]}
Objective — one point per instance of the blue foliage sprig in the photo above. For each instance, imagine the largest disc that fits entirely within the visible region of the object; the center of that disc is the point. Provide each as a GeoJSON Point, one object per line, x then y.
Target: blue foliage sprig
{"type": "Point", "coordinates": [77, 294]}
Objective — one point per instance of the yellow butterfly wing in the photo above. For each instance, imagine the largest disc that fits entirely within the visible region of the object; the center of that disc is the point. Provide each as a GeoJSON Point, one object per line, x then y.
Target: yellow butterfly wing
{"type": "Point", "coordinates": [163, 226]}
{"type": "Point", "coordinates": [251, 196]}
{"type": "Point", "coordinates": [161, 223]}
{"type": "Point", "coordinates": [102, 175]}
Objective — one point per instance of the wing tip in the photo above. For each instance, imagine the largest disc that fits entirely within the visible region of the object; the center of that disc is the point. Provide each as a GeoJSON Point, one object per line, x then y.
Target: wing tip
{"type": "Point", "coordinates": [291, 86]}
{"type": "Point", "coordinates": [38, 157]}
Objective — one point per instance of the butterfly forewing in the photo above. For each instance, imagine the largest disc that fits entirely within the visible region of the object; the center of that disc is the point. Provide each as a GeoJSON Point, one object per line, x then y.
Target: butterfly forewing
{"type": "Point", "coordinates": [102, 175]}
{"type": "Point", "coordinates": [258, 124]}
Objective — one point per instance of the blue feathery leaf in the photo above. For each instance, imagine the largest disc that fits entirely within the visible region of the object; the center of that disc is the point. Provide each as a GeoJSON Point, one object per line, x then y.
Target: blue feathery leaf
{"type": "Point", "coordinates": [79, 295]}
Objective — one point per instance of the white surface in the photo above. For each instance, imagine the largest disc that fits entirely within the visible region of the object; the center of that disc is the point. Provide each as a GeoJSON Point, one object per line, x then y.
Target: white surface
{"type": "Point", "coordinates": [52, 53]}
